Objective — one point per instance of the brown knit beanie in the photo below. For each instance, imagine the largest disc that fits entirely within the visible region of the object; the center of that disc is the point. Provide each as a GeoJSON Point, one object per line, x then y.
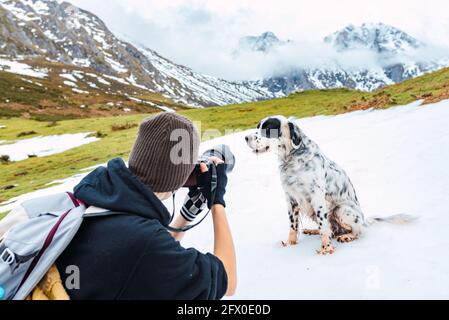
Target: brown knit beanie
{"type": "Point", "coordinates": [162, 164]}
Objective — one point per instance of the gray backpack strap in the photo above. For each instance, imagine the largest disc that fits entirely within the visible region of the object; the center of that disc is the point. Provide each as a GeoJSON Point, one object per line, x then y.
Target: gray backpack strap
{"type": "Point", "coordinates": [15, 260]}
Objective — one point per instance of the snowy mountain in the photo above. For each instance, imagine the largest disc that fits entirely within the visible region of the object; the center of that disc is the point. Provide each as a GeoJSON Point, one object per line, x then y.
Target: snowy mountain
{"type": "Point", "coordinates": [64, 33]}
{"type": "Point", "coordinates": [374, 36]}
{"type": "Point", "coordinates": [266, 42]}
{"type": "Point", "coordinates": [394, 50]}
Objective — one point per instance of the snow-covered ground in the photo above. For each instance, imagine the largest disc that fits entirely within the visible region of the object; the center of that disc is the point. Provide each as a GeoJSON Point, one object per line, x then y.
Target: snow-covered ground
{"type": "Point", "coordinates": [22, 69]}
{"type": "Point", "coordinates": [44, 145]}
{"type": "Point", "coordinates": [397, 160]}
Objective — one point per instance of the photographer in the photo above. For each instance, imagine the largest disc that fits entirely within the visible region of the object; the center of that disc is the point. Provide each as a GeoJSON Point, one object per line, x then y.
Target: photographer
{"type": "Point", "coordinates": [131, 255]}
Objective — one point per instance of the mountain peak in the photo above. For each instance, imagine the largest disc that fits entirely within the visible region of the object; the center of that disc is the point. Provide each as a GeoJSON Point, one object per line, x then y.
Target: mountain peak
{"type": "Point", "coordinates": [379, 37]}
{"type": "Point", "coordinates": [269, 35]}
{"type": "Point", "coordinates": [262, 43]}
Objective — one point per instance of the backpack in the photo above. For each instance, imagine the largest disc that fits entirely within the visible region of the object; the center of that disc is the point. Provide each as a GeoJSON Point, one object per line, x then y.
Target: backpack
{"type": "Point", "coordinates": [42, 229]}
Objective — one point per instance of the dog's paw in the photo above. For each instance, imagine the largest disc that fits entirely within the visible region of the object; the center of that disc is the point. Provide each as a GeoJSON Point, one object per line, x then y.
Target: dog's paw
{"type": "Point", "coordinates": [289, 243]}
{"type": "Point", "coordinates": [325, 250]}
{"type": "Point", "coordinates": [346, 238]}
{"type": "Point", "coordinates": [310, 232]}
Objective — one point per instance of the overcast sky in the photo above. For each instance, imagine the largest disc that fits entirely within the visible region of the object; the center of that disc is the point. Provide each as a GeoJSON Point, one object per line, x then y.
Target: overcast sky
{"type": "Point", "coordinates": [202, 33]}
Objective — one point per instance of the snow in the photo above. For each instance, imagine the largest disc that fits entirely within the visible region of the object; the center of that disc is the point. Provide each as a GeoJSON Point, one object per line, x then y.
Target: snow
{"type": "Point", "coordinates": [115, 65]}
{"type": "Point", "coordinates": [44, 145]}
{"type": "Point", "coordinates": [119, 80]}
{"type": "Point", "coordinates": [81, 62]}
{"type": "Point", "coordinates": [373, 36]}
{"type": "Point", "coordinates": [68, 76]}
{"type": "Point", "coordinates": [22, 69]}
{"type": "Point", "coordinates": [100, 79]}
{"type": "Point", "coordinates": [103, 81]}
{"type": "Point", "coordinates": [80, 91]}
{"type": "Point", "coordinates": [18, 12]}
{"type": "Point", "coordinates": [50, 35]}
{"type": "Point", "coordinates": [163, 108]}
{"type": "Point", "coordinates": [397, 160]}
{"type": "Point", "coordinates": [38, 6]}
{"type": "Point", "coordinates": [132, 79]}
{"type": "Point", "coordinates": [70, 83]}
{"type": "Point", "coordinates": [32, 82]}
{"type": "Point", "coordinates": [265, 42]}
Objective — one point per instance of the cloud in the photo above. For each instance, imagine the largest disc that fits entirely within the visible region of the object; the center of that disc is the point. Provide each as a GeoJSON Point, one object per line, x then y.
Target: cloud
{"type": "Point", "coordinates": [296, 55]}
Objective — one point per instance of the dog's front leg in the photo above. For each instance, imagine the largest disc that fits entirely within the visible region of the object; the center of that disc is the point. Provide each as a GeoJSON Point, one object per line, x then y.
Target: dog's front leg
{"type": "Point", "coordinates": [322, 214]}
{"type": "Point", "coordinates": [293, 213]}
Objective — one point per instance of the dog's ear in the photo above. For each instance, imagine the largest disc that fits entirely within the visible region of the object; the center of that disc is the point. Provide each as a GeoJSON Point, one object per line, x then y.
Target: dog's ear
{"type": "Point", "coordinates": [294, 134]}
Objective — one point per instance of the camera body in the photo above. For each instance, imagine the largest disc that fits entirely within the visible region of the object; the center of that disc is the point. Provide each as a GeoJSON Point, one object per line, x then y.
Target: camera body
{"type": "Point", "coordinates": [222, 152]}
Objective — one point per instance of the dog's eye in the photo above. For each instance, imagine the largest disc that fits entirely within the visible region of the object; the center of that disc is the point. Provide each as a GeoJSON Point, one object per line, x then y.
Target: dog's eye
{"type": "Point", "coordinates": [271, 128]}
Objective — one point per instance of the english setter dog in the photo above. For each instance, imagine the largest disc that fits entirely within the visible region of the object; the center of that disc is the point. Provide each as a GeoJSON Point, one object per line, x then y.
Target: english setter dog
{"type": "Point", "coordinates": [314, 185]}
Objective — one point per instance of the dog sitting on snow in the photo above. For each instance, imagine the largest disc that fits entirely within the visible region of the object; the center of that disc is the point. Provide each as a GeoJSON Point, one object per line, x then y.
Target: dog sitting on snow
{"type": "Point", "coordinates": [314, 185]}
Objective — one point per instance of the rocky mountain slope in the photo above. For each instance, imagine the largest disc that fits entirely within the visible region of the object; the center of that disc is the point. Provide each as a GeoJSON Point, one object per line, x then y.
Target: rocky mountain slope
{"type": "Point", "coordinates": [66, 34]}
{"type": "Point", "coordinates": [50, 91]}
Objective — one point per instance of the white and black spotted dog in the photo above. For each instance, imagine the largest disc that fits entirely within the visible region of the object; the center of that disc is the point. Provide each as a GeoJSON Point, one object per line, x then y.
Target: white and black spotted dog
{"type": "Point", "coordinates": [314, 185]}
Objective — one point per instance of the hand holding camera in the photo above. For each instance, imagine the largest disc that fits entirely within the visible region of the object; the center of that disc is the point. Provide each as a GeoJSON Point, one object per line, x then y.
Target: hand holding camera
{"type": "Point", "coordinates": [207, 184]}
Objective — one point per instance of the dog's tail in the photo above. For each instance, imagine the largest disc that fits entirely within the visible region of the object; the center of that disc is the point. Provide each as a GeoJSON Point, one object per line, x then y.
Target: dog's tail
{"type": "Point", "coordinates": [395, 219]}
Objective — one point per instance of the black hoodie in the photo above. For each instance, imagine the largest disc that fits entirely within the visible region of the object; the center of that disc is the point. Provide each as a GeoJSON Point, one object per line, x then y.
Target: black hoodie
{"type": "Point", "coordinates": [131, 255]}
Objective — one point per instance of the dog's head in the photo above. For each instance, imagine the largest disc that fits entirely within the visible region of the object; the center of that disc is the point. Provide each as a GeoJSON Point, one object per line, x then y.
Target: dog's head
{"type": "Point", "coordinates": [277, 134]}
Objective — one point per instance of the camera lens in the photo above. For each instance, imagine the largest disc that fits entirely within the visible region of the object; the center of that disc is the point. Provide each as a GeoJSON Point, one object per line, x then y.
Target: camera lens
{"type": "Point", "coordinates": [224, 153]}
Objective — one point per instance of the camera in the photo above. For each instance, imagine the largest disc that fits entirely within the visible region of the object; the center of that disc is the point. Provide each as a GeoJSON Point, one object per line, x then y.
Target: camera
{"type": "Point", "coordinates": [222, 152]}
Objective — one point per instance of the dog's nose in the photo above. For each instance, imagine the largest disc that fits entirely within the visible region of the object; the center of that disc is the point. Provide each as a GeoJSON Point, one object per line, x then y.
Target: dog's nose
{"type": "Point", "coordinates": [246, 139]}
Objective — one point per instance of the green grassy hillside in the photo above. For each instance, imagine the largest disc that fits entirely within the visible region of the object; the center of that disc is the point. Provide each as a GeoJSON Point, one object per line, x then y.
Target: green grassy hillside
{"type": "Point", "coordinates": [20, 177]}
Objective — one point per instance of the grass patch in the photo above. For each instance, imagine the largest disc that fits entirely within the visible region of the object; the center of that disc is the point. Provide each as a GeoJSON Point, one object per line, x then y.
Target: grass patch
{"type": "Point", "coordinates": [52, 124]}
{"type": "Point", "coordinates": [98, 134]}
{"type": "Point", "coordinates": [53, 117]}
{"type": "Point", "coordinates": [26, 133]}
{"type": "Point", "coordinates": [9, 113]}
{"type": "Point", "coordinates": [126, 126]}
{"type": "Point", "coordinates": [4, 159]}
